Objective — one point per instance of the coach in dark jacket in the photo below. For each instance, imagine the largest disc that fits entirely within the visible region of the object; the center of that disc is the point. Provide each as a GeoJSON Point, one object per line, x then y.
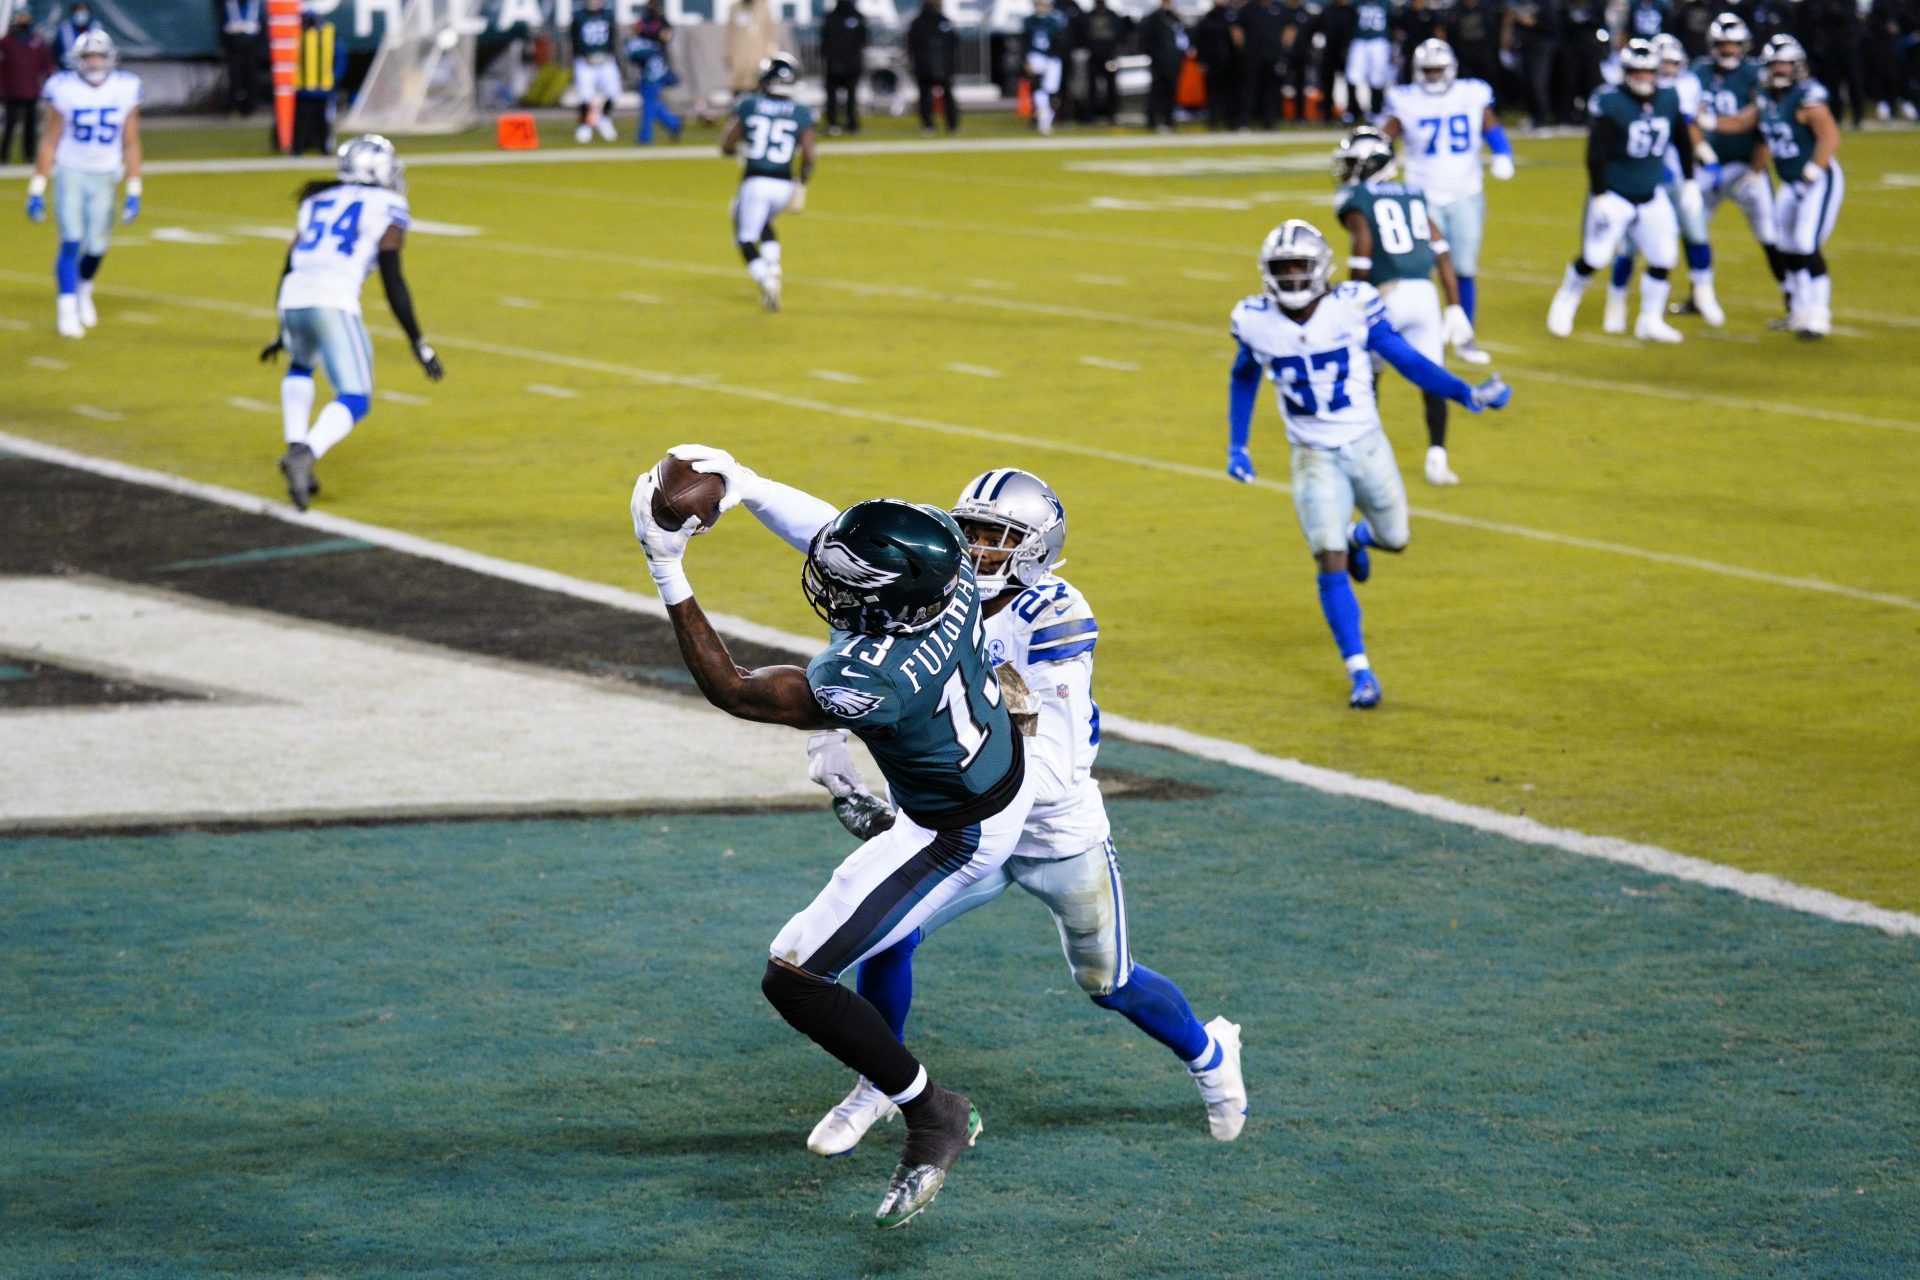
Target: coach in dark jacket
{"type": "Point", "coordinates": [1101, 32]}
{"type": "Point", "coordinates": [1264, 25]}
{"type": "Point", "coordinates": [1163, 38]}
{"type": "Point", "coordinates": [1216, 42]}
{"type": "Point", "coordinates": [933, 47]}
{"type": "Point", "coordinates": [843, 45]}
{"type": "Point", "coordinates": [26, 60]}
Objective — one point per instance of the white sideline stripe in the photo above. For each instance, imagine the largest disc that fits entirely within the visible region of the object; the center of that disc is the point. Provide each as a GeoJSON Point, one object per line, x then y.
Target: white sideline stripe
{"type": "Point", "coordinates": [645, 155]}
{"type": "Point", "coordinates": [548, 389]}
{"type": "Point", "coordinates": [1651, 858]}
{"type": "Point", "coordinates": [706, 382]}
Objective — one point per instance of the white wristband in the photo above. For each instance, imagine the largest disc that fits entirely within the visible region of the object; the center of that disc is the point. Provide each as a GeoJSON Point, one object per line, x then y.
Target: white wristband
{"type": "Point", "coordinates": [37, 185]}
{"type": "Point", "coordinates": [133, 185]}
{"type": "Point", "coordinates": [671, 581]}
{"type": "Point", "coordinates": [1360, 264]}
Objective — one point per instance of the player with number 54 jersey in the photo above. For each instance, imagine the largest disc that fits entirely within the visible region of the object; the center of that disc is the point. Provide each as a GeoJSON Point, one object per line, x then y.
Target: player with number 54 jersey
{"type": "Point", "coordinates": [1313, 341]}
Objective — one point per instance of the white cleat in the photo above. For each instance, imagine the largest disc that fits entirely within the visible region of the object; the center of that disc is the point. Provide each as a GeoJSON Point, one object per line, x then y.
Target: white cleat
{"type": "Point", "coordinates": [1614, 318]}
{"type": "Point", "coordinates": [1654, 329]}
{"type": "Point", "coordinates": [841, 1129]}
{"type": "Point", "coordinates": [606, 129]}
{"type": "Point", "coordinates": [1708, 305]}
{"type": "Point", "coordinates": [584, 134]}
{"type": "Point", "coordinates": [1437, 470]}
{"type": "Point", "coordinates": [770, 292]}
{"type": "Point", "coordinates": [1560, 314]}
{"type": "Point", "coordinates": [1223, 1088]}
{"type": "Point", "coordinates": [66, 317]}
{"type": "Point", "coordinates": [88, 316]}
{"type": "Point", "coordinates": [1813, 322]}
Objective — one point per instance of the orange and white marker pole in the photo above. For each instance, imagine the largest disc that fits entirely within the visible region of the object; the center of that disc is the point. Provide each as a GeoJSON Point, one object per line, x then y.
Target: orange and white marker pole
{"type": "Point", "coordinates": [283, 40]}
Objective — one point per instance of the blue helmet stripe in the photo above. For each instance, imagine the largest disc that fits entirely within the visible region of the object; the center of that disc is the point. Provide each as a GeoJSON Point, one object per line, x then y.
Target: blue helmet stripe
{"type": "Point", "coordinates": [1004, 477]}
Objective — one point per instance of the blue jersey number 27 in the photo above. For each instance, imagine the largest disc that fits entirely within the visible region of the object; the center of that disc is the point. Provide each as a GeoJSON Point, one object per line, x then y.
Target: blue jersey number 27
{"type": "Point", "coordinates": [1296, 381]}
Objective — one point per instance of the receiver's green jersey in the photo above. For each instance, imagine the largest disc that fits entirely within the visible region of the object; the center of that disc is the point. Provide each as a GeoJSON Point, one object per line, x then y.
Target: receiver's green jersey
{"type": "Point", "coordinates": [1045, 33]}
{"type": "Point", "coordinates": [1723, 93]}
{"type": "Point", "coordinates": [1790, 141]}
{"type": "Point", "coordinates": [1371, 19]}
{"type": "Point", "coordinates": [1402, 237]}
{"type": "Point", "coordinates": [773, 128]}
{"type": "Point", "coordinates": [928, 706]}
{"type": "Point", "coordinates": [1641, 129]}
{"type": "Point", "coordinates": [592, 33]}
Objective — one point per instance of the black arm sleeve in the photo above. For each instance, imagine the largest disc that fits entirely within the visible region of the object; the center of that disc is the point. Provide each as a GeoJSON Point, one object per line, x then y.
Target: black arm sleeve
{"type": "Point", "coordinates": [1683, 145]}
{"type": "Point", "coordinates": [397, 296]}
{"type": "Point", "coordinates": [1600, 139]}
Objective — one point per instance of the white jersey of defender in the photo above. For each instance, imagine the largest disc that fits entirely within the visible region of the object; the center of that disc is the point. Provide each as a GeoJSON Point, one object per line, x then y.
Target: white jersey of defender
{"type": "Point", "coordinates": [339, 232]}
{"type": "Point", "coordinates": [1048, 633]}
{"type": "Point", "coordinates": [1440, 137]}
{"type": "Point", "coordinates": [1320, 369]}
{"type": "Point", "coordinates": [93, 120]}
{"type": "Point", "coordinates": [1687, 86]}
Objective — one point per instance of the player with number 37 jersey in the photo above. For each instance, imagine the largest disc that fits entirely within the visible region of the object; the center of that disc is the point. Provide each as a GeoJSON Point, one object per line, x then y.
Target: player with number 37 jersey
{"type": "Point", "coordinates": [777, 134]}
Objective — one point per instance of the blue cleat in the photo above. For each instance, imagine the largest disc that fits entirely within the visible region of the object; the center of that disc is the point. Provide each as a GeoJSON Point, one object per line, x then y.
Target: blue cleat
{"type": "Point", "coordinates": [1366, 690]}
{"type": "Point", "coordinates": [1359, 563]}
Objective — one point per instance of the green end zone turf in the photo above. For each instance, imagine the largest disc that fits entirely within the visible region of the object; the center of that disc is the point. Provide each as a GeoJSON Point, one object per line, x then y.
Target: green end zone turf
{"type": "Point", "coordinates": [538, 1048]}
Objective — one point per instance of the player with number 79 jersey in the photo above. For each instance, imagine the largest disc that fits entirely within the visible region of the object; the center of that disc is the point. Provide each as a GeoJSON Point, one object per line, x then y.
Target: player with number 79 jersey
{"type": "Point", "coordinates": [1313, 341]}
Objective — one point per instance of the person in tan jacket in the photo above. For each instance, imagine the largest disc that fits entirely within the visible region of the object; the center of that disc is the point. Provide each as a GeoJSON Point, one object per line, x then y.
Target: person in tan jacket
{"type": "Point", "coordinates": [753, 36]}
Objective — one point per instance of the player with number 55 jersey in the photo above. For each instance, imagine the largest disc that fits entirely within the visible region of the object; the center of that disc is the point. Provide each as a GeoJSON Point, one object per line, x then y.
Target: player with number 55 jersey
{"type": "Point", "coordinates": [346, 223]}
{"type": "Point", "coordinates": [1313, 342]}
{"type": "Point", "coordinates": [777, 133]}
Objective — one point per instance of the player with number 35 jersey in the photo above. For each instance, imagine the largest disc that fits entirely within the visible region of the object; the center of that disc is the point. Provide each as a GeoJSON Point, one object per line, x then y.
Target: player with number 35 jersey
{"type": "Point", "coordinates": [93, 136]}
{"type": "Point", "coordinates": [777, 133]}
{"type": "Point", "coordinates": [346, 224]}
{"type": "Point", "coordinates": [1314, 342]}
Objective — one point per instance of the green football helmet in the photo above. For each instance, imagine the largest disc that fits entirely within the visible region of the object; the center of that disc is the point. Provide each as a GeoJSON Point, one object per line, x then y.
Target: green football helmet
{"type": "Point", "coordinates": [778, 74]}
{"type": "Point", "coordinates": [884, 567]}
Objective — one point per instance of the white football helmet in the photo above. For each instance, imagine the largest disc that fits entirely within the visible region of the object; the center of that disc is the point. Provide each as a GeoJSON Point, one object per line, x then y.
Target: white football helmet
{"type": "Point", "coordinates": [1730, 40]}
{"type": "Point", "coordinates": [1639, 68]}
{"type": "Point", "coordinates": [1672, 55]}
{"type": "Point", "coordinates": [1783, 49]}
{"type": "Point", "coordinates": [1023, 522]}
{"type": "Point", "coordinates": [93, 56]}
{"type": "Point", "coordinates": [370, 159]}
{"type": "Point", "coordinates": [1295, 263]}
{"type": "Point", "coordinates": [1434, 66]}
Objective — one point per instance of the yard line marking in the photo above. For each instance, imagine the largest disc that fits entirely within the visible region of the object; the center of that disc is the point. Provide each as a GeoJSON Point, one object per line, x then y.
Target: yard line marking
{"type": "Point", "coordinates": [989, 284]}
{"type": "Point", "coordinates": [1712, 397]}
{"type": "Point", "coordinates": [251, 405]}
{"type": "Point", "coordinates": [15, 326]}
{"type": "Point", "coordinates": [186, 235]}
{"type": "Point", "coordinates": [972, 370]}
{"type": "Point", "coordinates": [1721, 335]}
{"type": "Point", "coordinates": [138, 317]}
{"type": "Point", "coordinates": [706, 382]}
{"type": "Point", "coordinates": [428, 227]}
{"type": "Point", "coordinates": [1219, 276]}
{"type": "Point", "coordinates": [834, 375]}
{"type": "Point", "coordinates": [49, 363]}
{"type": "Point", "coordinates": [1118, 366]}
{"type": "Point", "coordinates": [1115, 282]}
{"type": "Point", "coordinates": [643, 299]}
{"type": "Point", "coordinates": [322, 547]}
{"type": "Point", "coordinates": [1608, 340]}
{"type": "Point", "coordinates": [548, 389]}
{"type": "Point", "coordinates": [401, 397]}
{"type": "Point", "coordinates": [98, 414]}
{"type": "Point", "coordinates": [1650, 858]}
{"type": "Point", "coordinates": [521, 304]}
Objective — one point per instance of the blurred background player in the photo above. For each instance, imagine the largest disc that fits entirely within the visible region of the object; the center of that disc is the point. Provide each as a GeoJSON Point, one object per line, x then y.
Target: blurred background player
{"type": "Point", "coordinates": [647, 51]}
{"type": "Point", "coordinates": [1674, 74]}
{"type": "Point", "coordinates": [1040, 634]}
{"type": "Point", "coordinates": [345, 223]}
{"type": "Point", "coordinates": [1628, 133]}
{"type": "Point", "coordinates": [776, 131]}
{"type": "Point", "coordinates": [1394, 249]}
{"type": "Point", "coordinates": [1370, 57]}
{"type": "Point", "coordinates": [596, 72]}
{"type": "Point", "coordinates": [1803, 140]}
{"type": "Point", "coordinates": [933, 51]}
{"type": "Point", "coordinates": [1444, 119]}
{"type": "Point", "coordinates": [843, 48]}
{"type": "Point", "coordinates": [1729, 122]}
{"type": "Point", "coordinates": [1046, 32]}
{"type": "Point", "coordinates": [26, 63]}
{"type": "Point", "coordinates": [93, 137]}
{"type": "Point", "coordinates": [1314, 342]}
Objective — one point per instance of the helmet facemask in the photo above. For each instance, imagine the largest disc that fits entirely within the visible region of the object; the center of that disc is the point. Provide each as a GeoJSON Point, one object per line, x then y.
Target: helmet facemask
{"type": "Point", "coordinates": [1434, 66]}
{"type": "Point", "coordinates": [94, 56]}
{"type": "Point", "coordinates": [1639, 69]}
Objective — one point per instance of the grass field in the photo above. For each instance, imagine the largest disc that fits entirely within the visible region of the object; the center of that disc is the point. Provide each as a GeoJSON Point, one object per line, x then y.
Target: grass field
{"type": "Point", "coordinates": [1672, 601]}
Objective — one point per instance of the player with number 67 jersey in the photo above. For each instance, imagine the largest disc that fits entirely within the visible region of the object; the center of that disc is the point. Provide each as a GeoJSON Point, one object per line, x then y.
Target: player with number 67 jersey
{"type": "Point", "coordinates": [346, 223]}
{"type": "Point", "coordinates": [1313, 341]}
{"type": "Point", "coordinates": [778, 134]}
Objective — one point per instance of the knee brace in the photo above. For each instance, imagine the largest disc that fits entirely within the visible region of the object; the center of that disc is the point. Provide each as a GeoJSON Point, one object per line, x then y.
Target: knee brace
{"type": "Point", "coordinates": [357, 405]}
{"type": "Point", "coordinates": [1658, 273]}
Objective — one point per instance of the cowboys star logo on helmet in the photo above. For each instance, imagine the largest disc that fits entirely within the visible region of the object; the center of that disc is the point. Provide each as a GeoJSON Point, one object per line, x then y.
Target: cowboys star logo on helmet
{"type": "Point", "coordinates": [843, 566]}
{"type": "Point", "coordinates": [848, 704]}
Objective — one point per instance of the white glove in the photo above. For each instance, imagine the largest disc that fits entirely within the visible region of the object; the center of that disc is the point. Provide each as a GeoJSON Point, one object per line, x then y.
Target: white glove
{"type": "Point", "coordinates": [1705, 156]}
{"type": "Point", "coordinates": [1812, 174]}
{"type": "Point", "coordinates": [798, 204]}
{"type": "Point", "coordinates": [1501, 167]}
{"type": "Point", "coordinates": [830, 764]}
{"type": "Point", "coordinates": [1456, 330]}
{"type": "Point", "coordinates": [1690, 203]}
{"type": "Point", "coordinates": [1748, 177]}
{"type": "Point", "coordinates": [1610, 209]}
{"type": "Point", "coordinates": [663, 547]}
{"type": "Point", "coordinates": [718, 462]}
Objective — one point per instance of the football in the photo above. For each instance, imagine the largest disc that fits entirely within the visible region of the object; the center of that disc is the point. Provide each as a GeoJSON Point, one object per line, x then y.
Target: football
{"type": "Point", "coordinates": [681, 493]}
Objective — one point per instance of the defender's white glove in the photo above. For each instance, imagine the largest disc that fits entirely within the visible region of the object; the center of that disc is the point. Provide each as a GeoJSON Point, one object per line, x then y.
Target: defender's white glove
{"type": "Point", "coordinates": [1501, 167]}
{"type": "Point", "coordinates": [1455, 329]}
{"type": "Point", "coordinates": [1690, 202]}
{"type": "Point", "coordinates": [663, 547]}
{"type": "Point", "coordinates": [798, 204]}
{"type": "Point", "coordinates": [830, 764]}
{"type": "Point", "coordinates": [718, 462]}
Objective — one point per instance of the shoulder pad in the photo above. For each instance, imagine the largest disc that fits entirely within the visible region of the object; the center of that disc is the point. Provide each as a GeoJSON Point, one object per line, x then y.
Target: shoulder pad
{"type": "Point", "coordinates": [1363, 298]}
{"type": "Point", "coordinates": [1812, 91]}
{"type": "Point", "coordinates": [1062, 628]}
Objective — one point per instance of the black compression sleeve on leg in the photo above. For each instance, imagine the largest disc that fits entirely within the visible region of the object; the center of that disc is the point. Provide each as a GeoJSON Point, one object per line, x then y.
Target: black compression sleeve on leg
{"type": "Point", "coordinates": [1658, 273]}
{"type": "Point", "coordinates": [1582, 269]}
{"type": "Point", "coordinates": [1816, 263]}
{"type": "Point", "coordinates": [749, 250]}
{"type": "Point", "coordinates": [1776, 262]}
{"type": "Point", "coordinates": [90, 266]}
{"type": "Point", "coordinates": [843, 1023]}
{"type": "Point", "coordinates": [1436, 420]}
